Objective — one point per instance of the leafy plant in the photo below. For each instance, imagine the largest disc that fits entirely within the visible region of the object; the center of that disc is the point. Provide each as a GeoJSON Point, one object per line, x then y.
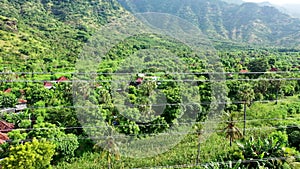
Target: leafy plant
{"type": "Point", "coordinates": [31, 155]}
{"type": "Point", "coordinates": [7, 100]}
{"type": "Point", "coordinates": [265, 152]}
{"type": "Point", "coordinates": [66, 144]}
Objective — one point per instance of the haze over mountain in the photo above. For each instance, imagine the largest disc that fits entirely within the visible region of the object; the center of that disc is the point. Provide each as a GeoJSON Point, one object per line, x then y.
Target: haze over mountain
{"type": "Point", "coordinates": [234, 1]}
{"type": "Point", "coordinates": [248, 22]}
{"type": "Point", "coordinates": [292, 9]}
{"type": "Point", "coordinates": [286, 6]}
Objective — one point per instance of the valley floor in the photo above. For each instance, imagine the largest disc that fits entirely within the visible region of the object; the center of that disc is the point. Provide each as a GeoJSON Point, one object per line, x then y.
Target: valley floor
{"type": "Point", "coordinates": [262, 120]}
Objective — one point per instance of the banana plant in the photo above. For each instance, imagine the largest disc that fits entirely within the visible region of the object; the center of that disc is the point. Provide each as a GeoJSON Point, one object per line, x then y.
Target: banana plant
{"type": "Point", "coordinates": [265, 152]}
{"type": "Point", "coordinates": [225, 165]}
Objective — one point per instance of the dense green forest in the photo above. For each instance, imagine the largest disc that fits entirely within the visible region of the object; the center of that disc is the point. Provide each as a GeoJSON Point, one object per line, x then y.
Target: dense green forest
{"type": "Point", "coordinates": [151, 93]}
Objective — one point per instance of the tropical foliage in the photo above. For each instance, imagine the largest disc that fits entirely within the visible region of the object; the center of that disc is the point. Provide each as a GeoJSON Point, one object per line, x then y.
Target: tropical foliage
{"type": "Point", "coordinates": [40, 93]}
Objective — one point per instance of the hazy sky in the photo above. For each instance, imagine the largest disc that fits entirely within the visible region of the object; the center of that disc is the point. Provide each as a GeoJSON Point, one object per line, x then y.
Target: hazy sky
{"type": "Point", "coordinates": [279, 2]}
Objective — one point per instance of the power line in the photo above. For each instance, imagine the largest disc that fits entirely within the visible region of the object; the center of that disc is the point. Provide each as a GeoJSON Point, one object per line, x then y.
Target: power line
{"type": "Point", "coordinates": [98, 138]}
{"type": "Point", "coordinates": [177, 133]}
{"type": "Point", "coordinates": [155, 134]}
{"type": "Point", "coordinates": [116, 81]}
{"type": "Point", "coordinates": [167, 73]}
{"type": "Point", "coordinates": [157, 105]}
{"type": "Point", "coordinates": [222, 163]}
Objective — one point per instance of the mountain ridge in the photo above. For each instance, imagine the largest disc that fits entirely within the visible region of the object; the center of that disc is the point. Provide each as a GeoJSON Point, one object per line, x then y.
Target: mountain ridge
{"type": "Point", "coordinates": [54, 31]}
{"type": "Point", "coordinates": [248, 22]}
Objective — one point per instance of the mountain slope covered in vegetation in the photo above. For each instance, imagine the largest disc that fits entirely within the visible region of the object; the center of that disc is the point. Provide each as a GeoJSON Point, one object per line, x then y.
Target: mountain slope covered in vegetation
{"type": "Point", "coordinates": [248, 22]}
{"type": "Point", "coordinates": [37, 33]}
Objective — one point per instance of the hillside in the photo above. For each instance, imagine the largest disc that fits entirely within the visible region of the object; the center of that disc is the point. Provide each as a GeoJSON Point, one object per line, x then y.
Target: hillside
{"type": "Point", "coordinates": [39, 35]}
{"type": "Point", "coordinates": [53, 32]}
{"type": "Point", "coordinates": [248, 22]}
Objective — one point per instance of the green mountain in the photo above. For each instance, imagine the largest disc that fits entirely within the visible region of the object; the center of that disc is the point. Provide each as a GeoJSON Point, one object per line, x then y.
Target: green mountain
{"type": "Point", "coordinates": [248, 22]}
{"type": "Point", "coordinates": [40, 34]}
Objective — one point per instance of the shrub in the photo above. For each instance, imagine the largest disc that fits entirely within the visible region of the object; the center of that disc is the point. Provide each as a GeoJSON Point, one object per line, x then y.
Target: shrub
{"type": "Point", "coordinates": [31, 155]}
{"type": "Point", "coordinates": [7, 100]}
{"type": "Point", "coordinates": [66, 144]}
{"type": "Point", "coordinates": [294, 139]}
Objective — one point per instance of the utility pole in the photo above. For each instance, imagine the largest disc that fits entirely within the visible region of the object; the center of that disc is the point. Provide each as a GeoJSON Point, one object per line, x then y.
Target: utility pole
{"type": "Point", "coordinates": [199, 133]}
{"type": "Point", "coordinates": [244, 131]}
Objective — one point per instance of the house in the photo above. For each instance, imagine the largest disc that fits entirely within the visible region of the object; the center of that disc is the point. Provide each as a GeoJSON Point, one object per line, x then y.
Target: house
{"type": "Point", "coordinates": [48, 85]}
{"type": "Point", "coordinates": [62, 79]}
{"type": "Point", "coordinates": [22, 101]}
{"type": "Point", "coordinates": [7, 90]}
{"type": "Point", "coordinates": [98, 86]}
{"type": "Point", "coordinates": [3, 138]}
{"type": "Point", "coordinates": [243, 71]}
{"type": "Point", "coordinates": [273, 69]}
{"type": "Point", "coordinates": [141, 77]}
{"type": "Point", "coordinates": [22, 105]}
{"type": "Point", "coordinates": [139, 81]}
{"type": "Point", "coordinates": [8, 110]}
{"type": "Point", "coordinates": [5, 127]}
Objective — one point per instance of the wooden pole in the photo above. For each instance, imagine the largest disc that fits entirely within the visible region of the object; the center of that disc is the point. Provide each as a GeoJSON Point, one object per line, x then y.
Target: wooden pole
{"type": "Point", "coordinates": [198, 152]}
{"type": "Point", "coordinates": [244, 131]}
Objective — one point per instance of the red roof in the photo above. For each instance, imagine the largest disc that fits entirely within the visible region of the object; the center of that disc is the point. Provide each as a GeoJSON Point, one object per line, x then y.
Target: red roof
{"type": "Point", "coordinates": [47, 84]}
{"type": "Point", "coordinates": [274, 69]}
{"type": "Point", "coordinates": [5, 126]}
{"type": "Point", "coordinates": [22, 101]}
{"type": "Point", "coordinates": [244, 71]}
{"type": "Point", "coordinates": [139, 80]}
{"type": "Point", "coordinates": [7, 90]}
{"type": "Point", "coordinates": [61, 79]}
{"type": "Point", "coordinates": [3, 138]}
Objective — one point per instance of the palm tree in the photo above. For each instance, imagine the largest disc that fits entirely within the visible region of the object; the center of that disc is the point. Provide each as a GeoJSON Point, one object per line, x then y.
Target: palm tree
{"type": "Point", "coordinates": [232, 132]}
{"type": "Point", "coordinates": [246, 95]}
{"type": "Point", "coordinates": [277, 84]}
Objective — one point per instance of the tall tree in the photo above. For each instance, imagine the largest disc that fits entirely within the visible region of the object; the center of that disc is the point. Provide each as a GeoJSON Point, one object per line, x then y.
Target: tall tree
{"type": "Point", "coordinates": [246, 95]}
{"type": "Point", "coordinates": [258, 65]}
